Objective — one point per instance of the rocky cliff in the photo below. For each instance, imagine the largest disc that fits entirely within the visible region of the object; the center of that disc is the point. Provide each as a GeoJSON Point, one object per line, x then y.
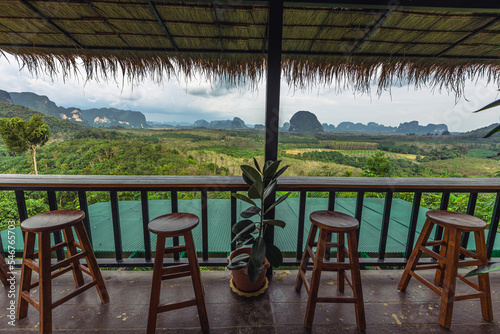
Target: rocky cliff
{"type": "Point", "coordinates": [235, 123]}
{"type": "Point", "coordinates": [305, 122]}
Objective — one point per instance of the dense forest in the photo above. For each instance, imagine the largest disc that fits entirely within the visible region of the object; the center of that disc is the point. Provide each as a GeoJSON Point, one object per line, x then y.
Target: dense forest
{"type": "Point", "coordinates": [74, 149]}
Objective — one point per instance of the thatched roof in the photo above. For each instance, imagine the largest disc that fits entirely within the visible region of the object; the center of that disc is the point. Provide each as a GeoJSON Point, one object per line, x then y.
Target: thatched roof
{"type": "Point", "coordinates": [321, 43]}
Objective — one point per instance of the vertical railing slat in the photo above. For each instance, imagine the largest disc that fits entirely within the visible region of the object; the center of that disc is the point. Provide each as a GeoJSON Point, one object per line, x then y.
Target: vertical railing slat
{"type": "Point", "coordinates": [116, 225]}
{"type": "Point", "coordinates": [471, 207]}
{"type": "Point", "coordinates": [233, 218]}
{"type": "Point", "coordinates": [82, 200]}
{"type": "Point", "coordinates": [415, 208]}
{"type": "Point", "coordinates": [145, 222]}
{"type": "Point", "coordinates": [302, 213]}
{"type": "Point", "coordinates": [438, 235]}
{"type": "Point", "coordinates": [331, 207]}
{"type": "Point", "coordinates": [385, 225]}
{"type": "Point", "coordinates": [493, 226]}
{"type": "Point", "coordinates": [21, 205]}
{"type": "Point", "coordinates": [174, 203]}
{"type": "Point", "coordinates": [359, 211]}
{"type": "Point", "coordinates": [204, 223]}
{"type": "Point", "coordinates": [51, 196]}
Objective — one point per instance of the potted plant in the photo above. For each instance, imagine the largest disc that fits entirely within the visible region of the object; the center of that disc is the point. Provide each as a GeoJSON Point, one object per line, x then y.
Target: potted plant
{"type": "Point", "coordinates": [249, 264]}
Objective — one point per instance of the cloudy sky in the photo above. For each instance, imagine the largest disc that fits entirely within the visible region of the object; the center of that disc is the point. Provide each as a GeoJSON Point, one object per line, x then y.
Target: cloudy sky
{"type": "Point", "coordinates": [181, 101]}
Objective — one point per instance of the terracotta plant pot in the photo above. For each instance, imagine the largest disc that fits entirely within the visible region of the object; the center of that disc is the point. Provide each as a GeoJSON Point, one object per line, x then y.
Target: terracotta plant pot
{"type": "Point", "coordinates": [240, 276]}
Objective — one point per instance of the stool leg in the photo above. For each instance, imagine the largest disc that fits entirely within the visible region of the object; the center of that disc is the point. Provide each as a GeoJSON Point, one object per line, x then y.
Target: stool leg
{"type": "Point", "coordinates": [45, 300]}
{"type": "Point", "coordinates": [316, 275]}
{"type": "Point", "coordinates": [77, 272]}
{"type": "Point", "coordinates": [197, 283]}
{"type": "Point", "coordinates": [415, 255]}
{"type": "Point", "coordinates": [154, 300]}
{"type": "Point", "coordinates": [438, 278]}
{"type": "Point", "coordinates": [356, 280]}
{"type": "Point", "coordinates": [450, 278]}
{"type": "Point", "coordinates": [29, 247]}
{"type": "Point", "coordinates": [91, 261]}
{"type": "Point", "coordinates": [305, 257]}
{"type": "Point", "coordinates": [484, 279]}
{"type": "Point", "coordinates": [340, 258]}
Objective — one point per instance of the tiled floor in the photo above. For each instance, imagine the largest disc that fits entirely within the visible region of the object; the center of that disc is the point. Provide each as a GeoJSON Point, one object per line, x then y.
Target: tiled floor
{"type": "Point", "coordinates": [280, 310]}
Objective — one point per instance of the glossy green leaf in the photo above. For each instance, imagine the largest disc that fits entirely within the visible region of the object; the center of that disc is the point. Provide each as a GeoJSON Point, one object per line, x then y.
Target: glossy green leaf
{"type": "Point", "coordinates": [243, 225]}
{"type": "Point", "coordinates": [244, 239]}
{"type": "Point", "coordinates": [252, 173]}
{"type": "Point", "coordinates": [253, 272]}
{"type": "Point", "coordinates": [281, 199]}
{"type": "Point", "coordinates": [241, 257]}
{"type": "Point", "coordinates": [271, 169]}
{"type": "Point", "coordinates": [258, 254]}
{"type": "Point", "coordinates": [250, 212]}
{"type": "Point", "coordinates": [267, 164]}
{"type": "Point", "coordinates": [274, 256]}
{"type": "Point", "coordinates": [244, 198]}
{"type": "Point", "coordinates": [492, 132]}
{"type": "Point", "coordinates": [484, 270]}
{"type": "Point", "coordinates": [275, 222]}
{"type": "Point", "coordinates": [270, 188]}
{"type": "Point", "coordinates": [246, 231]}
{"type": "Point", "coordinates": [247, 180]}
{"type": "Point", "coordinates": [237, 265]}
{"type": "Point", "coordinates": [256, 165]}
{"type": "Point", "coordinates": [281, 171]}
{"type": "Point", "coordinates": [256, 190]}
{"type": "Point", "coordinates": [489, 106]}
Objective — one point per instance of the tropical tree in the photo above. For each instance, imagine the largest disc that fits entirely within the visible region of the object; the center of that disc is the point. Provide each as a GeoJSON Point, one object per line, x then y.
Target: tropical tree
{"type": "Point", "coordinates": [20, 136]}
{"type": "Point", "coordinates": [377, 165]}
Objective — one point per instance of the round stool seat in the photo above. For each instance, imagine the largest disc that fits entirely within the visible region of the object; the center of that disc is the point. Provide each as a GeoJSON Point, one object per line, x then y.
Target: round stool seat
{"type": "Point", "coordinates": [52, 221]}
{"type": "Point", "coordinates": [334, 221]}
{"type": "Point", "coordinates": [173, 223]}
{"type": "Point", "coordinates": [460, 221]}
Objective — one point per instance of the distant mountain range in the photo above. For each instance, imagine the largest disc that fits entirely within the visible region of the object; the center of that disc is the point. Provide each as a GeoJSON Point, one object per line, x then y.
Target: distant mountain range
{"type": "Point", "coordinates": [103, 117]}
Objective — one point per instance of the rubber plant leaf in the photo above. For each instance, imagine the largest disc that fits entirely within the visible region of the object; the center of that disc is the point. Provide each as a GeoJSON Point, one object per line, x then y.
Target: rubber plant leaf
{"type": "Point", "coordinates": [271, 169]}
{"type": "Point", "coordinates": [275, 222]}
{"type": "Point", "coordinates": [245, 239]}
{"type": "Point", "coordinates": [247, 180]}
{"type": "Point", "coordinates": [247, 230]}
{"type": "Point", "coordinates": [274, 256]}
{"type": "Point", "coordinates": [253, 272]}
{"type": "Point", "coordinates": [256, 190]}
{"type": "Point", "coordinates": [489, 106]}
{"type": "Point", "coordinates": [270, 188]}
{"type": "Point", "coordinates": [241, 257]}
{"type": "Point", "coordinates": [492, 132]}
{"type": "Point", "coordinates": [237, 265]}
{"type": "Point", "coordinates": [251, 172]}
{"type": "Point", "coordinates": [256, 165]}
{"type": "Point", "coordinates": [484, 270]}
{"type": "Point", "coordinates": [258, 254]}
{"type": "Point", "coordinates": [281, 171]}
{"type": "Point", "coordinates": [250, 212]}
{"type": "Point", "coordinates": [281, 199]}
{"type": "Point", "coordinates": [244, 198]}
{"type": "Point", "coordinates": [242, 225]}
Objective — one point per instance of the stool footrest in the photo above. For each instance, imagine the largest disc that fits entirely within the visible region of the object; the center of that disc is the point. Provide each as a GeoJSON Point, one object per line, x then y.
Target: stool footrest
{"type": "Point", "coordinates": [469, 296]}
{"type": "Point", "coordinates": [468, 253]}
{"type": "Point", "coordinates": [426, 283]}
{"type": "Point", "coordinates": [32, 265]}
{"type": "Point", "coordinates": [304, 280]}
{"type": "Point", "coordinates": [176, 271]}
{"type": "Point", "coordinates": [30, 299]}
{"type": "Point", "coordinates": [336, 300]}
{"type": "Point", "coordinates": [176, 306]}
{"type": "Point", "coordinates": [74, 293]}
{"type": "Point", "coordinates": [68, 261]}
{"type": "Point", "coordinates": [335, 266]}
{"type": "Point", "coordinates": [432, 254]}
{"type": "Point", "coordinates": [175, 249]}
{"type": "Point", "coordinates": [52, 276]}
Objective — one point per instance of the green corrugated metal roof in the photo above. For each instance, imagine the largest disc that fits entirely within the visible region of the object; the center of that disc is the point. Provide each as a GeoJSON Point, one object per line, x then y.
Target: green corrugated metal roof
{"type": "Point", "coordinates": [219, 213]}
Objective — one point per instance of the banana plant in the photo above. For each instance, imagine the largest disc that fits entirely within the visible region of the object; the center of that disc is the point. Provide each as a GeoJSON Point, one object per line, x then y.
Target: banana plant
{"type": "Point", "coordinates": [489, 106]}
{"type": "Point", "coordinates": [262, 184]}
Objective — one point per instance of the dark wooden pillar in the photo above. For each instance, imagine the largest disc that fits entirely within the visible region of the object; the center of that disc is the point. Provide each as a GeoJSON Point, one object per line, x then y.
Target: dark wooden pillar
{"type": "Point", "coordinates": [273, 97]}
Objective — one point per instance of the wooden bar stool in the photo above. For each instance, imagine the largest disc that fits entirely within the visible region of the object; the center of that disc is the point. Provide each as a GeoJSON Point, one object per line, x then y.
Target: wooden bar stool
{"type": "Point", "coordinates": [342, 224]}
{"type": "Point", "coordinates": [167, 226]}
{"type": "Point", "coordinates": [43, 225]}
{"type": "Point", "coordinates": [454, 225]}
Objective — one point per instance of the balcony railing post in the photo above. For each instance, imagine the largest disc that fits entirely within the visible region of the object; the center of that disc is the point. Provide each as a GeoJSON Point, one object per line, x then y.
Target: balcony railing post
{"type": "Point", "coordinates": [116, 225]}
{"type": "Point", "coordinates": [300, 234]}
{"type": "Point", "coordinates": [82, 199]}
{"type": "Point", "coordinates": [204, 223]}
{"type": "Point", "coordinates": [471, 207]}
{"type": "Point", "coordinates": [331, 207]}
{"type": "Point", "coordinates": [445, 199]}
{"type": "Point", "coordinates": [21, 205]}
{"type": "Point", "coordinates": [413, 224]}
{"type": "Point", "coordinates": [145, 222]}
{"type": "Point", "coordinates": [51, 196]}
{"type": "Point", "coordinates": [233, 219]}
{"type": "Point", "coordinates": [359, 211]}
{"type": "Point", "coordinates": [174, 202]}
{"type": "Point", "coordinates": [385, 225]}
{"type": "Point", "coordinates": [493, 226]}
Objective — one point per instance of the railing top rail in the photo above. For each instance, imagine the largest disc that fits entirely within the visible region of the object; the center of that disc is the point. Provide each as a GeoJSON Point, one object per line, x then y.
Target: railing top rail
{"type": "Point", "coordinates": [163, 182]}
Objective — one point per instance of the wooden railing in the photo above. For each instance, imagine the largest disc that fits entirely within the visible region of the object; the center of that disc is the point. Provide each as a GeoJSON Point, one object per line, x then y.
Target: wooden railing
{"type": "Point", "coordinates": [205, 184]}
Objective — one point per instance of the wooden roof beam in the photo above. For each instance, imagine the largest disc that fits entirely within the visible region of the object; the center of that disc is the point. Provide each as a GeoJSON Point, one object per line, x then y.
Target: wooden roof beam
{"type": "Point", "coordinates": [218, 27]}
{"type": "Point", "coordinates": [160, 21]}
{"type": "Point", "coordinates": [369, 33]}
{"type": "Point", "coordinates": [486, 26]}
{"type": "Point", "coordinates": [49, 21]}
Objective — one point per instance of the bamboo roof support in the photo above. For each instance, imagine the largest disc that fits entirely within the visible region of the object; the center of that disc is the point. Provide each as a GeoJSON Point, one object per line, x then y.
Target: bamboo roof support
{"type": "Point", "coordinates": [216, 16]}
{"type": "Point", "coordinates": [370, 32]}
{"type": "Point", "coordinates": [321, 27]}
{"type": "Point", "coordinates": [160, 21]}
{"type": "Point", "coordinates": [49, 21]}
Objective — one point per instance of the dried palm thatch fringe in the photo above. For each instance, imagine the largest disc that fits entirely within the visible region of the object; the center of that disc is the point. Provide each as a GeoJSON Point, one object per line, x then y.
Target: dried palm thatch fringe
{"type": "Point", "coordinates": [299, 72]}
